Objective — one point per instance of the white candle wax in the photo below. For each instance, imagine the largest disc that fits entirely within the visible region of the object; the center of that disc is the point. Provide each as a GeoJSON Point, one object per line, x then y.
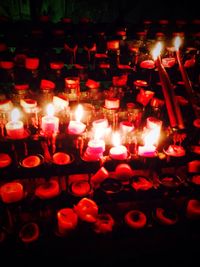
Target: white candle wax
{"type": "Point", "coordinates": [76, 127]}
{"type": "Point", "coordinates": [118, 152]}
{"type": "Point", "coordinates": [50, 124]}
{"type": "Point", "coordinates": [147, 151]}
{"type": "Point", "coordinates": [15, 129]}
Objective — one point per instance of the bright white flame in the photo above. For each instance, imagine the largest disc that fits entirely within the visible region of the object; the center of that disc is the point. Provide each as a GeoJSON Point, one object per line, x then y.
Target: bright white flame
{"type": "Point", "coordinates": [15, 114]}
{"type": "Point", "coordinates": [116, 139]}
{"type": "Point", "coordinates": [50, 110]}
{"type": "Point", "coordinates": [157, 50]}
{"type": "Point", "coordinates": [177, 42]}
{"type": "Point", "coordinates": [151, 137]}
{"type": "Point", "coordinates": [99, 133]}
{"type": "Point", "coordinates": [79, 113]}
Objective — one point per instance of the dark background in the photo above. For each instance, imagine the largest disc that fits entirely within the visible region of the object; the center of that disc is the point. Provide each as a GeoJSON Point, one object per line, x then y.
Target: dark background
{"type": "Point", "coordinates": [100, 11]}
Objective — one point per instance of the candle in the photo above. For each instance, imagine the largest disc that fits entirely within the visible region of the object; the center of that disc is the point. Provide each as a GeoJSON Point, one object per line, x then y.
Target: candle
{"type": "Point", "coordinates": [112, 103]}
{"type": "Point", "coordinates": [150, 136]}
{"type": "Point", "coordinates": [95, 149]}
{"type": "Point", "coordinates": [153, 123]}
{"type": "Point", "coordinates": [67, 220]}
{"type": "Point", "coordinates": [144, 96]}
{"type": "Point", "coordinates": [15, 127]}
{"type": "Point", "coordinates": [60, 103]}
{"type": "Point", "coordinates": [50, 123]}
{"type": "Point", "coordinates": [99, 124]}
{"type": "Point", "coordinates": [48, 190]}
{"type": "Point", "coordinates": [77, 127]}
{"type": "Point", "coordinates": [135, 219]}
{"type": "Point", "coordinates": [186, 80]}
{"type": "Point", "coordinates": [5, 106]}
{"type": "Point", "coordinates": [61, 158]}
{"type": "Point", "coordinates": [87, 210]}
{"type": "Point", "coordinates": [80, 188]}
{"type": "Point", "coordinates": [31, 161]}
{"type": "Point", "coordinates": [118, 152]}
{"type": "Point", "coordinates": [126, 127]}
{"type": "Point", "coordinates": [147, 64]}
{"type": "Point", "coordinates": [172, 106]}
{"type": "Point", "coordinates": [5, 160]}
{"type": "Point", "coordinates": [11, 192]}
{"type": "Point", "coordinates": [104, 223]}
{"type": "Point", "coordinates": [96, 146]}
{"type": "Point", "coordinates": [29, 232]}
{"type": "Point", "coordinates": [99, 177]}
{"type": "Point", "coordinates": [28, 104]}
{"type": "Point", "coordinates": [123, 172]}
{"type": "Point", "coordinates": [113, 45]}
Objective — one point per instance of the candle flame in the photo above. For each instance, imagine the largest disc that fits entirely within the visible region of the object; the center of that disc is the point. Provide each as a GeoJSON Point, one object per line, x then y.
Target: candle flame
{"type": "Point", "coordinates": [177, 42]}
{"type": "Point", "coordinates": [15, 114]}
{"type": "Point", "coordinates": [79, 113]}
{"type": "Point", "coordinates": [151, 137]}
{"type": "Point", "coordinates": [157, 50]}
{"type": "Point", "coordinates": [50, 110]}
{"type": "Point", "coordinates": [116, 139]}
{"type": "Point", "coordinates": [99, 133]}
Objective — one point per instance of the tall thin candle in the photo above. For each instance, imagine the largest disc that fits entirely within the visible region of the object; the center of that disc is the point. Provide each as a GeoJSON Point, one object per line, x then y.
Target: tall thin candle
{"type": "Point", "coordinates": [173, 108]}
{"type": "Point", "coordinates": [185, 78]}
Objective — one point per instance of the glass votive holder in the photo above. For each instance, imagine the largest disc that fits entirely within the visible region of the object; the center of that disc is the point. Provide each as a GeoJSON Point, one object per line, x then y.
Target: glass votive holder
{"type": "Point", "coordinates": [135, 113]}
{"type": "Point", "coordinates": [72, 85]}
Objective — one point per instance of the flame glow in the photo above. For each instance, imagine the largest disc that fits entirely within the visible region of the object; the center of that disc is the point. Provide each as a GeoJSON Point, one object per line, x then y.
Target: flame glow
{"type": "Point", "coordinates": [151, 138]}
{"type": "Point", "coordinates": [15, 114]}
{"type": "Point", "coordinates": [177, 42]}
{"type": "Point", "coordinates": [79, 113]}
{"type": "Point", "coordinates": [50, 110]}
{"type": "Point", "coordinates": [157, 50]}
{"type": "Point", "coordinates": [116, 139]}
{"type": "Point", "coordinates": [99, 133]}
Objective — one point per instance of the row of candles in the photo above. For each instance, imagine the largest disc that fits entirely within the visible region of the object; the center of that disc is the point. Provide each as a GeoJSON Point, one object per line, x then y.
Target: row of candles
{"type": "Point", "coordinates": [96, 146]}
{"type": "Point", "coordinates": [100, 129]}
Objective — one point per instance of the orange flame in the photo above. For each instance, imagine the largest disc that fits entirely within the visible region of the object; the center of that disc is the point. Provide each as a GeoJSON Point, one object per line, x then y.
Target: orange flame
{"type": "Point", "coordinates": [157, 50]}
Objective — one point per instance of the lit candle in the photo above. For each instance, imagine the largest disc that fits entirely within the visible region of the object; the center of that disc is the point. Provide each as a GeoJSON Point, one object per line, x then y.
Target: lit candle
{"type": "Point", "coordinates": [186, 80]}
{"type": "Point", "coordinates": [15, 127]}
{"type": "Point", "coordinates": [96, 147]}
{"type": "Point", "coordinates": [101, 126]}
{"type": "Point", "coordinates": [50, 123]}
{"type": "Point", "coordinates": [149, 149]}
{"type": "Point", "coordinates": [118, 152]}
{"type": "Point", "coordinates": [67, 220]}
{"type": "Point", "coordinates": [77, 127]}
{"type": "Point", "coordinates": [151, 136]}
{"type": "Point", "coordinates": [172, 106]}
{"type": "Point", "coordinates": [11, 192]}
{"type": "Point", "coordinates": [154, 123]}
